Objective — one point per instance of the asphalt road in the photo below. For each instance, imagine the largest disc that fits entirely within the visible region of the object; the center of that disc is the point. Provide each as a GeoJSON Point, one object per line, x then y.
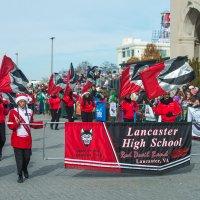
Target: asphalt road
{"type": "Point", "coordinates": [50, 180]}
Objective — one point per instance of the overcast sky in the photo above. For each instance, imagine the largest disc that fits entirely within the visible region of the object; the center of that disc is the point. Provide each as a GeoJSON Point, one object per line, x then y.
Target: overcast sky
{"type": "Point", "coordinates": [84, 29]}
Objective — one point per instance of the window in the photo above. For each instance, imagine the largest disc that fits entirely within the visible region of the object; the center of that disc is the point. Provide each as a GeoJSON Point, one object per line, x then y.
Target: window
{"type": "Point", "coordinates": [128, 53]}
{"type": "Point", "coordinates": [123, 54]}
{"type": "Point", "coordinates": [132, 52]}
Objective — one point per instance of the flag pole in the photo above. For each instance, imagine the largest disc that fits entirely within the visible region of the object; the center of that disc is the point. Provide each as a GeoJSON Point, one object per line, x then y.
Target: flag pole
{"type": "Point", "coordinates": [17, 58]}
{"type": "Point", "coordinates": [52, 38]}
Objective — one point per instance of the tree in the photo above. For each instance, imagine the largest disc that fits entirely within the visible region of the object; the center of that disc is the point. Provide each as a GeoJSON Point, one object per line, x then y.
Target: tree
{"type": "Point", "coordinates": [82, 67]}
{"type": "Point", "coordinates": [195, 64]}
{"type": "Point", "coordinates": [151, 52]}
{"type": "Point", "coordinates": [108, 65]}
{"type": "Point", "coordinates": [133, 59]}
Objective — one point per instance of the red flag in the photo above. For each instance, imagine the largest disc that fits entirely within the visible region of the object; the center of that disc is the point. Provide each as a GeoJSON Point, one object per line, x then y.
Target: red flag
{"type": "Point", "coordinates": [68, 89]}
{"type": "Point", "coordinates": [127, 87]}
{"type": "Point", "coordinates": [7, 65]}
{"type": "Point", "coordinates": [150, 81]}
{"type": "Point", "coordinates": [87, 86]}
{"type": "Point", "coordinates": [12, 78]}
{"type": "Point", "coordinates": [52, 87]}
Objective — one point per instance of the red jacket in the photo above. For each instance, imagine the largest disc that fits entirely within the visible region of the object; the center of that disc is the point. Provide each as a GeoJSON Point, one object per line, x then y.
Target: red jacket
{"type": "Point", "coordinates": [163, 110]}
{"type": "Point", "coordinates": [54, 103]}
{"type": "Point", "coordinates": [21, 135]}
{"type": "Point", "coordinates": [87, 107]}
{"type": "Point", "coordinates": [68, 101]}
{"type": "Point", "coordinates": [3, 112]}
{"type": "Point", "coordinates": [129, 109]}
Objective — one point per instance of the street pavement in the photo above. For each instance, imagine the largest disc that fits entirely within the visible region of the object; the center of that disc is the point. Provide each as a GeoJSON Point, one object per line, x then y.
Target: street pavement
{"type": "Point", "coordinates": [50, 180]}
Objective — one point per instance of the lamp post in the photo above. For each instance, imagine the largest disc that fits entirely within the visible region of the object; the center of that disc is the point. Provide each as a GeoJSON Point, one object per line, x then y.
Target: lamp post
{"type": "Point", "coordinates": [52, 38]}
{"type": "Point", "coordinates": [17, 58]}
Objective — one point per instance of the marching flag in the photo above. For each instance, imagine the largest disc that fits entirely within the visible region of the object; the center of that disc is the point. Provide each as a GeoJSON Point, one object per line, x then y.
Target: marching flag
{"type": "Point", "coordinates": [166, 76]}
{"type": "Point", "coordinates": [12, 79]}
{"type": "Point", "coordinates": [56, 84]}
{"type": "Point", "coordinates": [130, 80]}
{"type": "Point", "coordinates": [71, 79]}
{"type": "Point", "coordinates": [126, 86]}
{"type": "Point", "coordinates": [91, 78]}
{"type": "Point", "coordinates": [11, 98]}
{"type": "Point", "coordinates": [87, 86]}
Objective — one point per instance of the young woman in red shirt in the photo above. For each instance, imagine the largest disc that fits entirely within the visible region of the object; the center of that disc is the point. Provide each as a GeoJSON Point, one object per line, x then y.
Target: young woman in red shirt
{"type": "Point", "coordinates": [129, 107]}
{"type": "Point", "coordinates": [20, 122]}
{"type": "Point", "coordinates": [55, 109]}
{"type": "Point", "coordinates": [69, 102]}
{"type": "Point", "coordinates": [87, 108]}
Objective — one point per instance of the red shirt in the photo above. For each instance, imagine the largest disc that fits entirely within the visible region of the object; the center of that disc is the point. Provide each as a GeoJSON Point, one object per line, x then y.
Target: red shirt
{"type": "Point", "coordinates": [129, 109]}
{"type": "Point", "coordinates": [163, 110]}
{"type": "Point", "coordinates": [68, 101]}
{"type": "Point", "coordinates": [87, 107]}
{"type": "Point", "coordinates": [54, 103]}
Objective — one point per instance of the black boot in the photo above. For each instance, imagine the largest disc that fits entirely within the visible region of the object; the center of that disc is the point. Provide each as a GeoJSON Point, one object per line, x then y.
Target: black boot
{"type": "Point", "coordinates": [56, 127]}
{"type": "Point", "coordinates": [20, 179]}
{"type": "Point", "coordinates": [51, 126]}
{"type": "Point", "coordinates": [26, 175]}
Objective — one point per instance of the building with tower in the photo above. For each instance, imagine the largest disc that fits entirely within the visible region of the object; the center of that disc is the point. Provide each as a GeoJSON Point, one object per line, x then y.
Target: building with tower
{"type": "Point", "coordinates": [185, 28]}
{"type": "Point", "coordinates": [135, 47]}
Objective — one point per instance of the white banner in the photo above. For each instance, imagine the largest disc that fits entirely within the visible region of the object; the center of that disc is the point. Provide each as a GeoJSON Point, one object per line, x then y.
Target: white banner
{"type": "Point", "coordinates": [194, 117]}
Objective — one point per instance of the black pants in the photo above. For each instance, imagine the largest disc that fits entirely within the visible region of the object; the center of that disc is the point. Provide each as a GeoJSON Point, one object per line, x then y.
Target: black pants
{"type": "Point", "coordinates": [128, 120]}
{"type": "Point", "coordinates": [87, 117]}
{"type": "Point", "coordinates": [70, 113]}
{"type": "Point", "coordinates": [55, 117]}
{"type": "Point", "coordinates": [22, 157]}
{"type": "Point", "coordinates": [2, 136]}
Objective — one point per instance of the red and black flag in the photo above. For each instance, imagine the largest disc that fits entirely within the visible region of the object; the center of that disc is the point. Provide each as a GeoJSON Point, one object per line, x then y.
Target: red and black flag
{"type": "Point", "coordinates": [71, 79]}
{"type": "Point", "coordinates": [56, 84]}
{"type": "Point", "coordinates": [12, 79]}
{"type": "Point", "coordinates": [92, 76]}
{"type": "Point", "coordinates": [164, 77]}
{"type": "Point", "coordinates": [130, 80]}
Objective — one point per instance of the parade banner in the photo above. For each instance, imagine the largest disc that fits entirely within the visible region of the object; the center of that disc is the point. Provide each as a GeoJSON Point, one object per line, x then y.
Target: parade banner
{"type": "Point", "coordinates": [194, 117]}
{"type": "Point", "coordinates": [100, 112]}
{"type": "Point", "coordinates": [120, 147]}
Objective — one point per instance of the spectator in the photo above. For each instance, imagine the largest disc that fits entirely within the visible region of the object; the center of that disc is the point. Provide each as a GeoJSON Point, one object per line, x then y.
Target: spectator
{"type": "Point", "coordinates": [87, 108]}
{"type": "Point", "coordinates": [168, 109]}
{"type": "Point", "coordinates": [129, 108]}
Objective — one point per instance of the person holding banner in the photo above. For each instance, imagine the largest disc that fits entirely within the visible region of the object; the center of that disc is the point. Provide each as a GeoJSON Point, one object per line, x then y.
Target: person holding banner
{"type": "Point", "coordinates": [69, 102]}
{"type": "Point", "coordinates": [129, 108]}
{"type": "Point", "coordinates": [87, 108]}
{"type": "Point", "coordinates": [20, 122]}
{"type": "Point", "coordinates": [168, 109]}
{"type": "Point", "coordinates": [3, 112]}
{"type": "Point", "coordinates": [55, 108]}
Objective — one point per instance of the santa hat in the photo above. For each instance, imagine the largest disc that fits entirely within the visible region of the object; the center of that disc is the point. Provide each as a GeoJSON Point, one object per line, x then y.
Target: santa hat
{"type": "Point", "coordinates": [85, 93]}
{"type": "Point", "coordinates": [191, 87]}
{"type": "Point", "coordinates": [20, 97]}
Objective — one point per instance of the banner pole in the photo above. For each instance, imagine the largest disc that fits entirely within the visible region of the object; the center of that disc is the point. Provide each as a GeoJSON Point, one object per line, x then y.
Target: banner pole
{"type": "Point", "coordinates": [43, 150]}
